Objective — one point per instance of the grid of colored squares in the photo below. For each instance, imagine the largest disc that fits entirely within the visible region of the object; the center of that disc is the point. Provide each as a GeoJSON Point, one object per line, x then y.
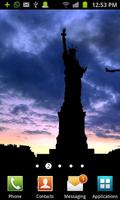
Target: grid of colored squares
{"type": "Point", "coordinates": [74, 183]}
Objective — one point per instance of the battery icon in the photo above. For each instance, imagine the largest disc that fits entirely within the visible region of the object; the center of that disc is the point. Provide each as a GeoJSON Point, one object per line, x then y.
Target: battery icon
{"type": "Point", "coordinates": [84, 4]}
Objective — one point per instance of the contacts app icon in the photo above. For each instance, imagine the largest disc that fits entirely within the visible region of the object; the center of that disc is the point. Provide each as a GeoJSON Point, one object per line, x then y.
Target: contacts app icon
{"type": "Point", "coordinates": [45, 183]}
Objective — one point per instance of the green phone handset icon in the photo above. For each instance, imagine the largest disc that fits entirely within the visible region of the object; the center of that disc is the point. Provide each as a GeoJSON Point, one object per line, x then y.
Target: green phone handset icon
{"type": "Point", "coordinates": [15, 183]}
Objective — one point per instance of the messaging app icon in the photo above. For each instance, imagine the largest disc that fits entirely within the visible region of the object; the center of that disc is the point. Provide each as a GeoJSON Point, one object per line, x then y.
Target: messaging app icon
{"type": "Point", "coordinates": [15, 183]}
{"type": "Point", "coordinates": [75, 183]}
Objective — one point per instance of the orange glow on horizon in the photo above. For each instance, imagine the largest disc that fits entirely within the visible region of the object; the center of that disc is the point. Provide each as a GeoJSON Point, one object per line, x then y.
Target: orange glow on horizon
{"type": "Point", "coordinates": [40, 144]}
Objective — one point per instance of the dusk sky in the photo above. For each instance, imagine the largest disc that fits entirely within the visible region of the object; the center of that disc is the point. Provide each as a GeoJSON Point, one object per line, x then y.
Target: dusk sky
{"type": "Point", "coordinates": [32, 75]}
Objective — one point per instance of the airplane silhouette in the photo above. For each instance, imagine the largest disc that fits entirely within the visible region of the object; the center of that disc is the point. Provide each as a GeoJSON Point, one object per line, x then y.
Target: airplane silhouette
{"type": "Point", "coordinates": [112, 70]}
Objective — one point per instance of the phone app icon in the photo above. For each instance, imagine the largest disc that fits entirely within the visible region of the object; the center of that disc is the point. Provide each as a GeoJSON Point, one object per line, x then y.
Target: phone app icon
{"type": "Point", "coordinates": [75, 183]}
{"type": "Point", "coordinates": [45, 183]}
{"type": "Point", "coordinates": [105, 183]}
{"type": "Point", "coordinates": [15, 183]}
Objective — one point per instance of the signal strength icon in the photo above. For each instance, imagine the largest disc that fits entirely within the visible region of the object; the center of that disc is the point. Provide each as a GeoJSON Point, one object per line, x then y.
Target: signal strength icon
{"type": "Point", "coordinates": [66, 4]}
{"type": "Point", "coordinates": [76, 5]}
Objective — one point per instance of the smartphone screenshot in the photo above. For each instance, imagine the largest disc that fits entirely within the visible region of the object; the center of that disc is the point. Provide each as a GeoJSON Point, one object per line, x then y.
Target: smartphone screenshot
{"type": "Point", "coordinates": [60, 100]}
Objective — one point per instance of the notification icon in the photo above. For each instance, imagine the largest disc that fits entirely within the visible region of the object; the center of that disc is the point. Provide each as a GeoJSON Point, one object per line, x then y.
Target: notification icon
{"type": "Point", "coordinates": [83, 178]}
{"type": "Point", "coordinates": [45, 183]}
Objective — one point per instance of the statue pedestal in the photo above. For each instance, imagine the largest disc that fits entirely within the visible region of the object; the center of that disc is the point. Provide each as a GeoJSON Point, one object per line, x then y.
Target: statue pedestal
{"type": "Point", "coordinates": [71, 138]}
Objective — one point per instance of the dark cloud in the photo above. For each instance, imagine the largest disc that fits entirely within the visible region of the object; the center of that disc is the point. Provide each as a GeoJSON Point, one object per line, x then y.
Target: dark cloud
{"type": "Point", "coordinates": [108, 117]}
{"type": "Point", "coordinates": [32, 19]}
{"type": "Point", "coordinates": [19, 109]}
{"type": "Point", "coordinates": [109, 40]}
{"type": "Point", "coordinates": [20, 121]}
{"type": "Point", "coordinates": [36, 132]}
{"type": "Point", "coordinates": [112, 136]}
{"type": "Point", "coordinates": [7, 31]}
{"type": "Point", "coordinates": [34, 77]}
{"type": "Point", "coordinates": [3, 129]}
{"type": "Point", "coordinates": [45, 117]}
{"type": "Point", "coordinates": [51, 118]}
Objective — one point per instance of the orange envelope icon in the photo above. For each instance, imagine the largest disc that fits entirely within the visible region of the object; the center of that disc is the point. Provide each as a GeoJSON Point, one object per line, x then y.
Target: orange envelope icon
{"type": "Point", "coordinates": [75, 183]}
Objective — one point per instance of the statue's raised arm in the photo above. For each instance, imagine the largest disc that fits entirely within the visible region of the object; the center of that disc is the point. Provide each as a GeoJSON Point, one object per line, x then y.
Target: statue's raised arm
{"type": "Point", "coordinates": [63, 34]}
